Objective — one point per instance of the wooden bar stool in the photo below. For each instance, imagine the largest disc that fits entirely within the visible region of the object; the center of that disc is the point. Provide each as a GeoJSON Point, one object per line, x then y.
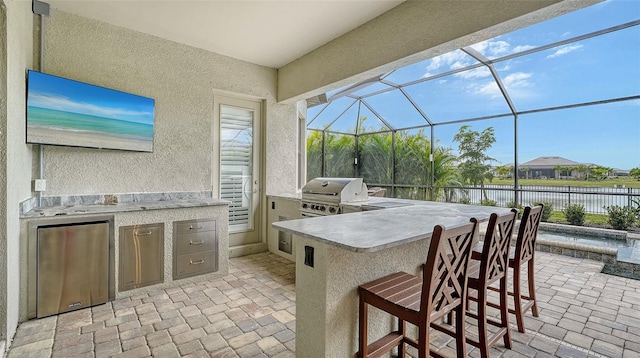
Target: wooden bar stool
{"type": "Point", "coordinates": [492, 266]}
{"type": "Point", "coordinates": [523, 253]}
{"type": "Point", "coordinates": [422, 301]}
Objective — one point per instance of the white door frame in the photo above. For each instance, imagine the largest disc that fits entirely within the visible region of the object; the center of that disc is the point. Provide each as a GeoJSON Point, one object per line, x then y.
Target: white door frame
{"type": "Point", "coordinates": [259, 242]}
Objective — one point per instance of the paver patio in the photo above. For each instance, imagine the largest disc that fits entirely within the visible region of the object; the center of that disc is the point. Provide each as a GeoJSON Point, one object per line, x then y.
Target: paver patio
{"type": "Point", "coordinates": [251, 313]}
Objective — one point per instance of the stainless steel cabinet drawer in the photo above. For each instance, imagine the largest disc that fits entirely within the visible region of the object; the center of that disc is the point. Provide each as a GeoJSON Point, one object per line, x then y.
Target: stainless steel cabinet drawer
{"type": "Point", "coordinates": [196, 242]}
{"type": "Point", "coordinates": [195, 248]}
{"type": "Point", "coordinates": [193, 264]}
{"type": "Point", "coordinates": [191, 226]}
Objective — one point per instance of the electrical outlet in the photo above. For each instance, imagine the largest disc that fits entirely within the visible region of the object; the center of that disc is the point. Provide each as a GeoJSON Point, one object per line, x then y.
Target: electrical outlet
{"type": "Point", "coordinates": [39, 185]}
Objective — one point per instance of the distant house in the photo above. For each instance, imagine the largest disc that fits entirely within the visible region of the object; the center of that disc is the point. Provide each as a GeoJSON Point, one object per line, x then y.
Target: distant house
{"type": "Point", "coordinates": [548, 167]}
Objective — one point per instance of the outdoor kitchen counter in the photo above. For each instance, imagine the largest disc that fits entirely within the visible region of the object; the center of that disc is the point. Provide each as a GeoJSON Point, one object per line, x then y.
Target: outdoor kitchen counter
{"type": "Point", "coordinates": [335, 254]}
{"type": "Point", "coordinates": [84, 209]}
{"type": "Point", "coordinates": [371, 231]}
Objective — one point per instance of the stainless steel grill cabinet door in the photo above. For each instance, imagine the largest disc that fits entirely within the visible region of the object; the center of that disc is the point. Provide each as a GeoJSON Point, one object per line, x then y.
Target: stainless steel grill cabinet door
{"type": "Point", "coordinates": [72, 267]}
{"type": "Point", "coordinates": [141, 256]}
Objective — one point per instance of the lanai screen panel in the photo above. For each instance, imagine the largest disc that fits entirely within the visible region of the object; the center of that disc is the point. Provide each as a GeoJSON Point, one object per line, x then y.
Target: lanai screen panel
{"type": "Point", "coordinates": [589, 70]}
{"type": "Point", "coordinates": [468, 94]}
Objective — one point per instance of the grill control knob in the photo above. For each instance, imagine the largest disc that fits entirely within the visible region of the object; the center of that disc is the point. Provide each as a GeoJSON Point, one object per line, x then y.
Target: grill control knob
{"type": "Point", "coordinates": [323, 208]}
{"type": "Point", "coordinates": [332, 210]}
{"type": "Point", "coordinates": [305, 205]}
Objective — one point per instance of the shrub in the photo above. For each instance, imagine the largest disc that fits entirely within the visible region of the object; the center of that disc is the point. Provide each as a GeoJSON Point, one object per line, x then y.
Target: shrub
{"type": "Point", "coordinates": [465, 200]}
{"type": "Point", "coordinates": [574, 214]}
{"type": "Point", "coordinates": [621, 218]}
{"type": "Point", "coordinates": [512, 204]}
{"type": "Point", "coordinates": [488, 202]}
{"type": "Point", "coordinates": [546, 212]}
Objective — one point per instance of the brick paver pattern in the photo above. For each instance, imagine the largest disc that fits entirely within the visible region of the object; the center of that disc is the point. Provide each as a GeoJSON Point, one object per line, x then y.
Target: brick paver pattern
{"type": "Point", "coordinates": [251, 313]}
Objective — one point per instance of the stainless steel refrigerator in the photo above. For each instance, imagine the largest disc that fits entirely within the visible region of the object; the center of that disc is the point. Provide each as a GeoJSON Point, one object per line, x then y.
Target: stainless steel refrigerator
{"type": "Point", "coordinates": [72, 267]}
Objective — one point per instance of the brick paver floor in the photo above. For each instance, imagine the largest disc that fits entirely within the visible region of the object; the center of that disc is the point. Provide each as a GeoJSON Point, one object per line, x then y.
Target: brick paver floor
{"type": "Point", "coordinates": [251, 313]}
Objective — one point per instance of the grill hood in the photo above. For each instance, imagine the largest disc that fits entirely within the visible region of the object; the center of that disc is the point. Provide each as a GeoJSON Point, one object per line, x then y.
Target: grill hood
{"type": "Point", "coordinates": [335, 190]}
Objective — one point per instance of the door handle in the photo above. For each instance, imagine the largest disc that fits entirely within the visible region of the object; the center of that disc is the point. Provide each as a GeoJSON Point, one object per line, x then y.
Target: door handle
{"type": "Point", "coordinates": [196, 262]}
{"type": "Point", "coordinates": [196, 242]}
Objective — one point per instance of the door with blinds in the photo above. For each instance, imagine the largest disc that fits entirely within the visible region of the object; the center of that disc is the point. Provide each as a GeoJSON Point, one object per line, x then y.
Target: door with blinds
{"type": "Point", "coordinates": [240, 166]}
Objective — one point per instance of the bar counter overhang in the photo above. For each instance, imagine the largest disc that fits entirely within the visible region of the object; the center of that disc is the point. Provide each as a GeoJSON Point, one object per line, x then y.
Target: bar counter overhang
{"type": "Point", "coordinates": [352, 249]}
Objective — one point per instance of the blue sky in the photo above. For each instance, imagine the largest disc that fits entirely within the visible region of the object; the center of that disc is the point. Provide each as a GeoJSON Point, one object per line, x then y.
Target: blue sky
{"type": "Point", "coordinates": [592, 69]}
{"type": "Point", "coordinates": [61, 94]}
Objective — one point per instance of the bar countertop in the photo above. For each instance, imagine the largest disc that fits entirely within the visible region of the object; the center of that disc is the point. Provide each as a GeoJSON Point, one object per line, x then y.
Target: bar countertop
{"type": "Point", "coordinates": [371, 231]}
{"type": "Point", "coordinates": [84, 209]}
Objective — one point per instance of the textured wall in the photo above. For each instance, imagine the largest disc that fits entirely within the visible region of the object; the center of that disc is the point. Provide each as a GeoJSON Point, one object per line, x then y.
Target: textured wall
{"type": "Point", "coordinates": [181, 79]}
{"type": "Point", "coordinates": [16, 164]}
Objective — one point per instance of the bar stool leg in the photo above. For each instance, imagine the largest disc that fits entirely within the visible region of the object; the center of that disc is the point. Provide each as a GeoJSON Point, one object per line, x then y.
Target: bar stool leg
{"type": "Point", "coordinates": [363, 324]}
{"type": "Point", "coordinates": [461, 338]}
{"type": "Point", "coordinates": [504, 311]}
{"type": "Point", "coordinates": [517, 298]}
{"type": "Point", "coordinates": [423, 339]}
{"type": "Point", "coordinates": [402, 326]}
{"type": "Point", "coordinates": [532, 288]}
{"type": "Point", "coordinates": [482, 324]}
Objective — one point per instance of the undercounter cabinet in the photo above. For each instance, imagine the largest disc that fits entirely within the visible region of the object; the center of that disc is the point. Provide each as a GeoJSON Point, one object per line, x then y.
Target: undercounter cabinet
{"type": "Point", "coordinates": [282, 209]}
{"type": "Point", "coordinates": [195, 248]}
{"type": "Point", "coordinates": [141, 256]}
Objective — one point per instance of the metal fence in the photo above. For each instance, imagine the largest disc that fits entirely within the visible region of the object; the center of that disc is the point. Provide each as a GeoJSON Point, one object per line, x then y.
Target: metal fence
{"type": "Point", "coordinates": [594, 200]}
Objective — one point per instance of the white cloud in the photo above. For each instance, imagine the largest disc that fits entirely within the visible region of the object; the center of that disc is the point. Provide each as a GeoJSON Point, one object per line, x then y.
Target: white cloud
{"type": "Point", "coordinates": [458, 59]}
{"type": "Point", "coordinates": [499, 48]}
{"type": "Point", "coordinates": [563, 50]}
{"type": "Point", "coordinates": [514, 82]}
{"type": "Point", "coordinates": [522, 48]}
{"type": "Point", "coordinates": [449, 61]}
{"type": "Point", "coordinates": [479, 72]}
{"type": "Point", "coordinates": [517, 80]}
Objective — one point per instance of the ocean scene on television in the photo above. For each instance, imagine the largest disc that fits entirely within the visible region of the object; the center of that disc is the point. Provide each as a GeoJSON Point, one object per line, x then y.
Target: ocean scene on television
{"type": "Point", "coordinates": [65, 112]}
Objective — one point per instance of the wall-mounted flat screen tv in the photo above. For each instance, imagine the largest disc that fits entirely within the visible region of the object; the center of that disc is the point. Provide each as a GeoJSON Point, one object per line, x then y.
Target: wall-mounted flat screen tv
{"type": "Point", "coordinates": [65, 112]}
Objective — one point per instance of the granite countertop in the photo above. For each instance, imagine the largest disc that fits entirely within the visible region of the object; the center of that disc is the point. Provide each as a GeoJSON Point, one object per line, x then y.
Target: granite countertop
{"type": "Point", "coordinates": [69, 210]}
{"type": "Point", "coordinates": [290, 196]}
{"type": "Point", "coordinates": [371, 231]}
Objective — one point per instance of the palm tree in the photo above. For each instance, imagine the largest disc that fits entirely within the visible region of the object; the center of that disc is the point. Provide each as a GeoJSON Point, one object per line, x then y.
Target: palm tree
{"type": "Point", "coordinates": [446, 175]}
{"type": "Point", "coordinates": [556, 171]}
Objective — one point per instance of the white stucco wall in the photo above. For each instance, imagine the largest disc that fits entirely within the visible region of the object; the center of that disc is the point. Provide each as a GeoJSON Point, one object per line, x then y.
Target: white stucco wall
{"type": "Point", "coordinates": [17, 162]}
{"type": "Point", "coordinates": [181, 79]}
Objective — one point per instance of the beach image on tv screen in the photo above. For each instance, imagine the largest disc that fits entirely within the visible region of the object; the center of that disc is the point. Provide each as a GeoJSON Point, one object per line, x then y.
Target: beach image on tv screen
{"type": "Point", "coordinates": [66, 112]}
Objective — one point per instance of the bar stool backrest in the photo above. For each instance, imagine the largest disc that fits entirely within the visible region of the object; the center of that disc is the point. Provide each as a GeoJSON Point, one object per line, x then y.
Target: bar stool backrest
{"type": "Point", "coordinates": [495, 252]}
{"type": "Point", "coordinates": [527, 233]}
{"type": "Point", "coordinates": [445, 271]}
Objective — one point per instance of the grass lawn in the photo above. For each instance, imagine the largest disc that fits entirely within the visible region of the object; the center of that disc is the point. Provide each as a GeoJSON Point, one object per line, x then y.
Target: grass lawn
{"type": "Point", "coordinates": [596, 219]}
{"type": "Point", "coordinates": [628, 182]}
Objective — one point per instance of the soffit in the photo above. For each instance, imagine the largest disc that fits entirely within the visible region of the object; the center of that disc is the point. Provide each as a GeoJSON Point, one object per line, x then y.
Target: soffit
{"type": "Point", "coordinates": [263, 32]}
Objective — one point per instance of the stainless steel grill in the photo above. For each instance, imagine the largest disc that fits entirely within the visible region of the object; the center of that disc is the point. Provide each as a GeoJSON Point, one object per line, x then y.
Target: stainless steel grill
{"type": "Point", "coordinates": [324, 196]}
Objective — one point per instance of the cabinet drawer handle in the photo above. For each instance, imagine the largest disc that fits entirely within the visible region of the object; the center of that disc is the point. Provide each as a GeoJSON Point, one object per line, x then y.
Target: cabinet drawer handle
{"type": "Point", "coordinates": [143, 233]}
{"type": "Point", "coordinates": [196, 262]}
{"type": "Point", "coordinates": [196, 242]}
{"type": "Point", "coordinates": [191, 227]}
